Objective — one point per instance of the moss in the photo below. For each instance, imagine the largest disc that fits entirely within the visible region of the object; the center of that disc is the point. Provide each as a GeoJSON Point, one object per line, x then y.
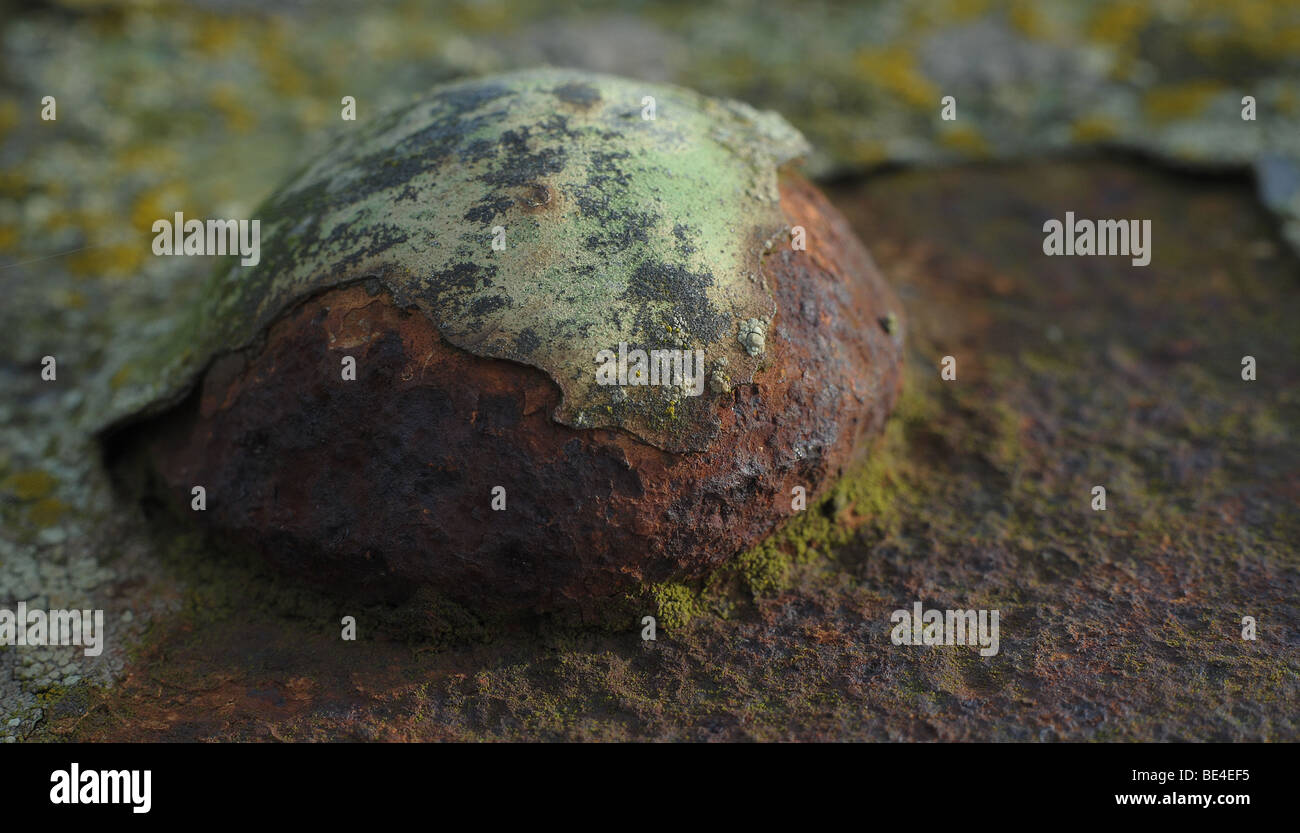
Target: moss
{"type": "Point", "coordinates": [1005, 451]}
{"type": "Point", "coordinates": [865, 496]}
{"type": "Point", "coordinates": [430, 621]}
{"type": "Point", "coordinates": [676, 604]}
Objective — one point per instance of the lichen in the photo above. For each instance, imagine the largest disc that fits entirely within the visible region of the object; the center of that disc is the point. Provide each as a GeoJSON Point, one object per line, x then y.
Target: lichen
{"type": "Point", "coordinates": [31, 484]}
{"type": "Point", "coordinates": [536, 217]}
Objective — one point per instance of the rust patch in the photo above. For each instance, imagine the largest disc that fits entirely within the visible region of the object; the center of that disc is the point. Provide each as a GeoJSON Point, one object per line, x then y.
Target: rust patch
{"type": "Point", "coordinates": [385, 482]}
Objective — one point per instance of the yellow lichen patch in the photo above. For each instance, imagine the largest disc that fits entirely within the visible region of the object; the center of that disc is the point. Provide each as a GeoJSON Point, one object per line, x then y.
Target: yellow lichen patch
{"type": "Point", "coordinates": [965, 140]}
{"type": "Point", "coordinates": [282, 72]}
{"type": "Point", "coordinates": [214, 34]}
{"type": "Point", "coordinates": [1180, 101]}
{"type": "Point", "coordinates": [868, 152]}
{"type": "Point", "coordinates": [8, 114]}
{"type": "Point", "coordinates": [226, 100]}
{"type": "Point", "coordinates": [110, 260]}
{"type": "Point", "coordinates": [12, 183]}
{"type": "Point", "coordinates": [60, 218]}
{"type": "Point", "coordinates": [1093, 129]}
{"type": "Point", "coordinates": [1027, 20]}
{"type": "Point", "coordinates": [1118, 22]}
{"type": "Point", "coordinates": [8, 238]}
{"type": "Point", "coordinates": [481, 17]}
{"type": "Point", "coordinates": [1254, 22]}
{"type": "Point", "coordinates": [120, 378]}
{"type": "Point", "coordinates": [158, 202]}
{"type": "Point", "coordinates": [947, 12]}
{"type": "Point", "coordinates": [1284, 40]}
{"type": "Point", "coordinates": [46, 512]}
{"type": "Point", "coordinates": [894, 69]}
{"type": "Point", "coordinates": [31, 484]}
{"type": "Point", "coordinates": [1288, 102]}
{"type": "Point", "coordinates": [313, 114]}
{"type": "Point", "coordinates": [1263, 28]}
{"type": "Point", "coordinates": [149, 157]}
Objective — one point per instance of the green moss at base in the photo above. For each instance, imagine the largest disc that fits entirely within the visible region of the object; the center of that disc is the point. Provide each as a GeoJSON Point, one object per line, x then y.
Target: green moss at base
{"type": "Point", "coordinates": [866, 496]}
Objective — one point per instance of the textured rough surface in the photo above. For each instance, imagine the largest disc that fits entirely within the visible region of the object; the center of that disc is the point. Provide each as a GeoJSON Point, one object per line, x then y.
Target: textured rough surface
{"type": "Point", "coordinates": [1123, 625]}
{"type": "Point", "coordinates": [386, 482]}
{"type": "Point", "coordinates": [536, 217]}
{"type": "Point", "coordinates": [207, 107]}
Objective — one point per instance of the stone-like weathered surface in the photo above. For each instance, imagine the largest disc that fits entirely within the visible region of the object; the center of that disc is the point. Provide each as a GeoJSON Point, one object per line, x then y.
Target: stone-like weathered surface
{"type": "Point", "coordinates": [1122, 625]}
{"type": "Point", "coordinates": [385, 482]}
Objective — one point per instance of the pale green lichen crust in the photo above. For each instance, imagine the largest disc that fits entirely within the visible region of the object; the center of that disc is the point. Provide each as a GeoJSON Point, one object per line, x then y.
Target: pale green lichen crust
{"type": "Point", "coordinates": [538, 217]}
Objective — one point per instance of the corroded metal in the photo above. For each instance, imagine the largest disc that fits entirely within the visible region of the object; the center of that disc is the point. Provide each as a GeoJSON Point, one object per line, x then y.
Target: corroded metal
{"type": "Point", "coordinates": [385, 483]}
{"type": "Point", "coordinates": [540, 217]}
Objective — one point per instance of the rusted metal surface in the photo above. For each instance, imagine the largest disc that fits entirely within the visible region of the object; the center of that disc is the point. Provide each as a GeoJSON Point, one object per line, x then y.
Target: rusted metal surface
{"type": "Point", "coordinates": [538, 216]}
{"type": "Point", "coordinates": [386, 482]}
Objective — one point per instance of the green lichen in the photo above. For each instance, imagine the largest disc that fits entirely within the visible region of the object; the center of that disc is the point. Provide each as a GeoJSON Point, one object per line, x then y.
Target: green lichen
{"type": "Point", "coordinates": [537, 217]}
